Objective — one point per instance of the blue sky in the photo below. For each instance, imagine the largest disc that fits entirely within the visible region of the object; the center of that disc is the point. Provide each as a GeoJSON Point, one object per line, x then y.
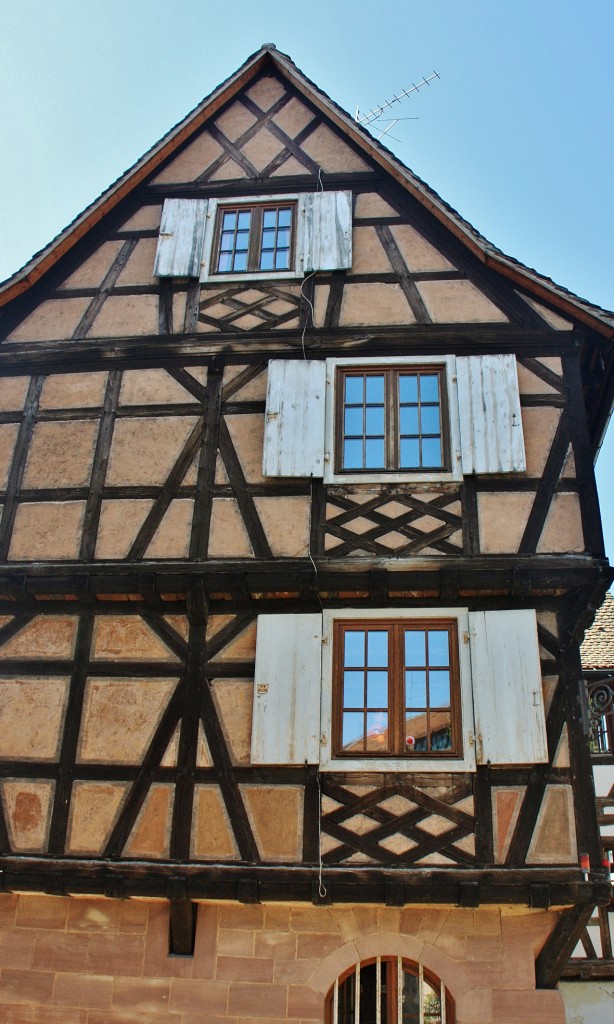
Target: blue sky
{"type": "Point", "coordinates": [517, 135]}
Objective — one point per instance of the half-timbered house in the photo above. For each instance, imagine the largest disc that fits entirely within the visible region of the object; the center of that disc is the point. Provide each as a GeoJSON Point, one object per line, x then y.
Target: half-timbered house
{"type": "Point", "coordinates": [299, 539]}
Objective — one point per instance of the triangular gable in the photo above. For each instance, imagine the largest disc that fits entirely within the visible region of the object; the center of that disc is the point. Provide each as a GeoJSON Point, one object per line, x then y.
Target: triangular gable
{"type": "Point", "coordinates": [268, 58]}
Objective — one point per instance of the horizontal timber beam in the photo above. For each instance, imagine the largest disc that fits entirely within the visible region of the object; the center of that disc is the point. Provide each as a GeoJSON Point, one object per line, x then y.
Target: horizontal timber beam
{"type": "Point", "coordinates": [249, 883]}
{"type": "Point", "coordinates": [248, 346]}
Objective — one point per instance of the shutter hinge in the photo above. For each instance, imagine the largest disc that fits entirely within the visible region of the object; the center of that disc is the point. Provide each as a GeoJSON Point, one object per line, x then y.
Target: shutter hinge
{"type": "Point", "coordinates": [263, 687]}
{"type": "Point", "coordinates": [327, 456]}
{"type": "Point", "coordinates": [465, 637]}
{"type": "Point", "coordinates": [270, 416]}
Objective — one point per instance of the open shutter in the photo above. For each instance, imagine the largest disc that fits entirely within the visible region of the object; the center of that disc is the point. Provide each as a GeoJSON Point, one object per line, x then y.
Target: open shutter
{"type": "Point", "coordinates": [294, 420]}
{"type": "Point", "coordinates": [286, 717]}
{"type": "Point", "coordinates": [508, 703]}
{"type": "Point", "coordinates": [182, 233]}
{"type": "Point", "coordinates": [489, 407]}
{"type": "Point", "coordinates": [325, 231]}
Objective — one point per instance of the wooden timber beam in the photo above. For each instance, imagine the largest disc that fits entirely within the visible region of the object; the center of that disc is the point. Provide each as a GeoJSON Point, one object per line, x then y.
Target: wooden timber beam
{"type": "Point", "coordinates": [182, 919]}
{"type": "Point", "coordinates": [552, 959]}
{"type": "Point", "coordinates": [247, 346]}
{"type": "Point", "coordinates": [274, 883]}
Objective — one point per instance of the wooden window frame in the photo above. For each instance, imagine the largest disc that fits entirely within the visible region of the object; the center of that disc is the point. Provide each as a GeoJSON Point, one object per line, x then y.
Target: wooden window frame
{"type": "Point", "coordinates": [392, 433]}
{"type": "Point", "coordinates": [396, 730]}
{"type": "Point", "coordinates": [254, 252]}
{"type": "Point", "coordinates": [445, 365]}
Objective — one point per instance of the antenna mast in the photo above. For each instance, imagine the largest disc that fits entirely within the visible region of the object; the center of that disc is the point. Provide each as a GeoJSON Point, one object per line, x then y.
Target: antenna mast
{"type": "Point", "coordinates": [376, 113]}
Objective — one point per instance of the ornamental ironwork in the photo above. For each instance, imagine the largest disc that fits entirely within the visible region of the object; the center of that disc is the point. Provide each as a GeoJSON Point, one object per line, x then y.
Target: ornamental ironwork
{"type": "Point", "coordinates": [600, 696]}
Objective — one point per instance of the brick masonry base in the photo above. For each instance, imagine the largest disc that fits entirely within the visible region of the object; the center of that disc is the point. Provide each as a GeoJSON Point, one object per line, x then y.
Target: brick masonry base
{"type": "Point", "coordinates": [99, 961]}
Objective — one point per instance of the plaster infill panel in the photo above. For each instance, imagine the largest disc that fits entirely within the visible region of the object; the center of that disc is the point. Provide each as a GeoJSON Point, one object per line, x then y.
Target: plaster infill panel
{"type": "Point", "coordinates": [47, 531]}
{"type": "Point", "coordinates": [61, 454]}
{"type": "Point", "coordinates": [331, 153]}
{"type": "Point", "coordinates": [451, 302]}
{"type": "Point", "coordinates": [13, 391]}
{"type": "Point", "coordinates": [563, 527]}
{"type": "Point", "coordinates": [120, 717]}
{"type": "Point", "coordinates": [53, 320]}
{"type": "Point", "coordinates": [46, 636]}
{"type": "Point", "coordinates": [191, 163]}
{"type": "Point", "coordinates": [234, 699]}
{"type": "Point", "coordinates": [150, 836]}
{"type": "Point", "coordinates": [212, 835]}
{"type": "Point", "coordinates": [286, 523]}
{"type": "Point", "coordinates": [8, 436]}
{"type": "Point", "coordinates": [502, 520]}
{"type": "Point", "coordinates": [376, 304]}
{"type": "Point", "coordinates": [27, 805]}
{"type": "Point", "coordinates": [31, 716]}
{"type": "Point", "coordinates": [293, 117]}
{"type": "Point", "coordinates": [128, 638]}
{"type": "Point", "coordinates": [126, 316]}
{"type": "Point", "coordinates": [73, 391]}
{"type": "Point", "coordinates": [93, 811]}
{"type": "Point", "coordinates": [539, 427]}
{"type": "Point", "coordinates": [172, 538]}
{"type": "Point", "coordinates": [241, 648]}
{"type": "Point", "coordinates": [276, 816]}
{"type": "Point", "coordinates": [416, 251]}
{"type": "Point", "coordinates": [368, 254]}
{"type": "Point", "coordinates": [156, 387]}
{"type": "Point", "coordinates": [94, 269]}
{"type": "Point", "coordinates": [144, 450]}
{"type": "Point", "coordinates": [140, 265]}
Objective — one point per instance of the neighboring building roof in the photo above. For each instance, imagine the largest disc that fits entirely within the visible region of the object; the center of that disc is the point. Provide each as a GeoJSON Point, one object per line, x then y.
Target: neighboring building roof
{"type": "Point", "coordinates": [598, 646]}
{"type": "Point", "coordinates": [538, 284]}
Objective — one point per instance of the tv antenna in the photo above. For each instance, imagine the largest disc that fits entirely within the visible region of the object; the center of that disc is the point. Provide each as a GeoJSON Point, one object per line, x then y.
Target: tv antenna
{"type": "Point", "coordinates": [375, 116]}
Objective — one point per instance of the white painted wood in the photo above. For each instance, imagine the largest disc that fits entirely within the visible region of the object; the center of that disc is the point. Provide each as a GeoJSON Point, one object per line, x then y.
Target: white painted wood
{"type": "Point", "coordinates": [286, 709]}
{"type": "Point", "coordinates": [490, 420]}
{"type": "Point", "coordinates": [181, 238]}
{"type": "Point", "coordinates": [325, 231]}
{"type": "Point", "coordinates": [294, 419]}
{"type": "Point", "coordinates": [510, 725]}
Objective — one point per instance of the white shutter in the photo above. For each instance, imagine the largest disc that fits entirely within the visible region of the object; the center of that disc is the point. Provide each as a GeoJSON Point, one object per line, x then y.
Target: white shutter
{"type": "Point", "coordinates": [490, 419]}
{"type": "Point", "coordinates": [325, 231]}
{"type": "Point", "coordinates": [294, 420]}
{"type": "Point", "coordinates": [182, 233]}
{"type": "Point", "coordinates": [286, 716]}
{"type": "Point", "coordinates": [510, 725]}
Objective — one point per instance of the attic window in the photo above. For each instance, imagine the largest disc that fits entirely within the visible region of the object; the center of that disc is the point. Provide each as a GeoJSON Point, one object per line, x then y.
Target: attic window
{"type": "Point", "coordinates": [254, 238]}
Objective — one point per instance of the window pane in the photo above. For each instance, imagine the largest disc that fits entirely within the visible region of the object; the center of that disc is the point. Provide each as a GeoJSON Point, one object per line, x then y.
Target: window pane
{"type": "Point", "coordinates": [439, 689]}
{"type": "Point", "coordinates": [227, 242]}
{"type": "Point", "coordinates": [375, 390]}
{"type": "Point", "coordinates": [439, 647]}
{"type": "Point", "coordinates": [430, 419]}
{"type": "Point", "coordinates": [354, 649]}
{"type": "Point", "coordinates": [408, 387]}
{"type": "Point", "coordinates": [374, 454]}
{"type": "Point", "coordinates": [283, 238]}
{"type": "Point", "coordinates": [352, 424]}
{"type": "Point", "coordinates": [375, 422]}
{"type": "Point", "coordinates": [408, 416]}
{"type": "Point", "coordinates": [244, 220]}
{"type": "Point", "coordinates": [224, 265]}
{"type": "Point", "coordinates": [353, 689]}
{"type": "Point", "coordinates": [268, 239]}
{"type": "Point", "coordinates": [354, 390]}
{"type": "Point", "coordinates": [377, 647]}
{"type": "Point", "coordinates": [269, 219]}
{"type": "Point", "coordinates": [353, 724]}
{"type": "Point", "coordinates": [415, 689]}
{"type": "Point", "coordinates": [352, 455]}
{"type": "Point", "coordinates": [410, 454]}
{"type": "Point", "coordinates": [285, 217]}
{"type": "Point", "coordinates": [441, 730]}
{"type": "Point", "coordinates": [282, 259]}
{"type": "Point", "coordinates": [230, 221]}
{"type": "Point", "coordinates": [242, 242]}
{"type": "Point", "coordinates": [266, 261]}
{"type": "Point", "coordinates": [377, 730]}
{"type": "Point", "coordinates": [240, 261]}
{"type": "Point", "coordinates": [429, 387]}
{"type": "Point", "coordinates": [415, 647]}
{"type": "Point", "coordinates": [411, 996]}
{"type": "Point", "coordinates": [377, 689]}
{"type": "Point", "coordinates": [416, 724]}
{"type": "Point", "coordinates": [431, 451]}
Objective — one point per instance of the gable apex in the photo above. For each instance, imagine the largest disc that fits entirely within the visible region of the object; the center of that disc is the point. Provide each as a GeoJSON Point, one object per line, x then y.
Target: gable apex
{"type": "Point", "coordinates": [268, 59]}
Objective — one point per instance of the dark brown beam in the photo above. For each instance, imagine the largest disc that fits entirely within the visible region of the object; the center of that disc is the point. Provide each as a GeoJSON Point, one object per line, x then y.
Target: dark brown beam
{"type": "Point", "coordinates": [551, 961]}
